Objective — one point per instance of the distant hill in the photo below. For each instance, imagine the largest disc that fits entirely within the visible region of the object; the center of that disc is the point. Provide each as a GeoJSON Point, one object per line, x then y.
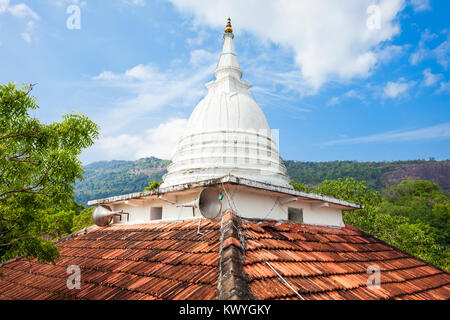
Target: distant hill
{"type": "Point", "coordinates": [378, 175]}
{"type": "Point", "coordinates": [109, 178]}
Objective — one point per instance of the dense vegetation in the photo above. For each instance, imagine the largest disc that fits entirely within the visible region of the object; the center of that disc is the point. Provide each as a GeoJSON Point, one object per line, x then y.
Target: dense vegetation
{"type": "Point", "coordinates": [105, 179]}
{"type": "Point", "coordinates": [152, 185]}
{"type": "Point", "coordinates": [376, 174]}
{"type": "Point", "coordinates": [111, 178]}
{"type": "Point", "coordinates": [39, 166]}
{"type": "Point", "coordinates": [413, 216]}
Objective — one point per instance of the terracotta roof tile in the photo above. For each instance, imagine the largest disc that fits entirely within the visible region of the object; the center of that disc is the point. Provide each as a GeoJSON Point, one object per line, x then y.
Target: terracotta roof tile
{"type": "Point", "coordinates": [331, 263]}
{"type": "Point", "coordinates": [173, 261]}
{"type": "Point", "coordinates": [151, 261]}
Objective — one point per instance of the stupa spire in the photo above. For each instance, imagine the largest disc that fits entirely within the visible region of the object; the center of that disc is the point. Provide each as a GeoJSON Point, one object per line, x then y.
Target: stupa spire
{"type": "Point", "coordinates": [229, 28]}
{"type": "Point", "coordinates": [228, 63]}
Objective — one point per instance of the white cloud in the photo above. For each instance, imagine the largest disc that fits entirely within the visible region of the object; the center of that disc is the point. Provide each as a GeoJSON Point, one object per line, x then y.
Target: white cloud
{"type": "Point", "coordinates": [4, 4]}
{"type": "Point", "coordinates": [200, 56]}
{"type": "Point", "coordinates": [31, 25]}
{"type": "Point", "coordinates": [139, 3]}
{"type": "Point", "coordinates": [420, 5]}
{"type": "Point", "coordinates": [156, 95]}
{"type": "Point", "coordinates": [330, 39]}
{"type": "Point", "coordinates": [438, 132]}
{"type": "Point", "coordinates": [107, 76]}
{"type": "Point", "coordinates": [422, 51]}
{"type": "Point", "coordinates": [441, 53]}
{"type": "Point", "coordinates": [23, 11]}
{"type": "Point", "coordinates": [444, 87]}
{"type": "Point", "coordinates": [417, 56]}
{"type": "Point", "coordinates": [388, 53]}
{"type": "Point", "coordinates": [351, 94]}
{"type": "Point", "coordinates": [396, 89]}
{"type": "Point", "coordinates": [159, 142]}
{"type": "Point", "coordinates": [141, 72]}
{"type": "Point", "coordinates": [200, 36]}
{"type": "Point", "coordinates": [430, 79]}
{"type": "Point", "coordinates": [150, 89]}
{"type": "Point", "coordinates": [289, 81]}
{"type": "Point", "coordinates": [137, 74]}
{"type": "Point", "coordinates": [64, 3]}
{"type": "Point", "coordinates": [26, 36]}
{"type": "Point", "coordinates": [334, 101]}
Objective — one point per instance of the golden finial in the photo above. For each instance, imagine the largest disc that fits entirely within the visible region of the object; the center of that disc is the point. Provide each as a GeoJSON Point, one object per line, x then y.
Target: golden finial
{"type": "Point", "coordinates": [229, 28]}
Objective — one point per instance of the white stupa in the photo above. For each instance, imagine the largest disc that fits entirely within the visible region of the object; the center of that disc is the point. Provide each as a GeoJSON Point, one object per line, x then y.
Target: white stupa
{"type": "Point", "coordinates": [226, 160]}
{"type": "Point", "coordinates": [227, 133]}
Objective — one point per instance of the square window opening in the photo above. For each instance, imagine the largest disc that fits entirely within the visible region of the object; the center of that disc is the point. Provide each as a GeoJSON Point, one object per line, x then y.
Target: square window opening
{"type": "Point", "coordinates": [155, 213]}
{"type": "Point", "coordinates": [295, 214]}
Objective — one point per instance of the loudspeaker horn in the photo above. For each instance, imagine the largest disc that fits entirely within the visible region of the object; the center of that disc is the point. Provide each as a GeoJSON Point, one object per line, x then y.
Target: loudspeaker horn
{"type": "Point", "coordinates": [207, 202]}
{"type": "Point", "coordinates": [102, 216]}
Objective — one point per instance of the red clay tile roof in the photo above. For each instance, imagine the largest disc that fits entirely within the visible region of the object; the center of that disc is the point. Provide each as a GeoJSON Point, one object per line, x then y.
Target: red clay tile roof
{"type": "Point", "coordinates": [174, 261]}
{"type": "Point", "coordinates": [330, 263]}
{"type": "Point", "coordinates": [152, 261]}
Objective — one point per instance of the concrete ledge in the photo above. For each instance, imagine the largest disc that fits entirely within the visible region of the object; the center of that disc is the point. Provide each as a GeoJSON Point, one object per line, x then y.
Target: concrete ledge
{"type": "Point", "coordinates": [234, 180]}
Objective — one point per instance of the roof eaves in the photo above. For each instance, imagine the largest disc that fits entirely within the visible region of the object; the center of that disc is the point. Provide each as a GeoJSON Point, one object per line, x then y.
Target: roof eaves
{"type": "Point", "coordinates": [228, 179]}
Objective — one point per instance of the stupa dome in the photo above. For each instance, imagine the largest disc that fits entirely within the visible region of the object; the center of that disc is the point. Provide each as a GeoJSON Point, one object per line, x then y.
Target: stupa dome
{"type": "Point", "coordinates": [227, 133]}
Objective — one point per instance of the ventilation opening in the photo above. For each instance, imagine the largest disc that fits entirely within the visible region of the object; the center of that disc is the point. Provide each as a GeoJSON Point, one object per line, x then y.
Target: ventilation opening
{"type": "Point", "coordinates": [155, 213]}
{"type": "Point", "coordinates": [295, 214]}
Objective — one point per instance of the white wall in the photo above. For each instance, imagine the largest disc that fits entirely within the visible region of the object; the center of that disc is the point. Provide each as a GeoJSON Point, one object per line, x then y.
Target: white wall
{"type": "Point", "coordinates": [246, 202]}
{"type": "Point", "coordinates": [249, 203]}
{"type": "Point", "coordinates": [325, 216]}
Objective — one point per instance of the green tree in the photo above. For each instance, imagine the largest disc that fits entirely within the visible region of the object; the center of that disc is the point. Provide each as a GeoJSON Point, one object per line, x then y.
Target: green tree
{"type": "Point", "coordinates": [301, 187]}
{"type": "Point", "coordinates": [83, 220]}
{"type": "Point", "coordinates": [396, 218]}
{"type": "Point", "coordinates": [424, 204]}
{"type": "Point", "coordinates": [349, 189]}
{"type": "Point", "coordinates": [39, 166]}
{"type": "Point", "coordinates": [152, 185]}
{"type": "Point", "coordinates": [58, 221]}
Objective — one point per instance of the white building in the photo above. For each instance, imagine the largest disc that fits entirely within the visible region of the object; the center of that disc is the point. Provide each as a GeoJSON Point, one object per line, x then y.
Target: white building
{"type": "Point", "coordinates": [227, 159]}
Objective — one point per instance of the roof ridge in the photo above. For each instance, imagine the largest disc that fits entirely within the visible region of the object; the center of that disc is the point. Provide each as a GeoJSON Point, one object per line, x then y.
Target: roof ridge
{"type": "Point", "coordinates": [233, 281]}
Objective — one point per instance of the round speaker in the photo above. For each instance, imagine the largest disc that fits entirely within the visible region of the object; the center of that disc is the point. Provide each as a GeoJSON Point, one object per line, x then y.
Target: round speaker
{"type": "Point", "coordinates": [209, 203]}
{"type": "Point", "coordinates": [102, 216]}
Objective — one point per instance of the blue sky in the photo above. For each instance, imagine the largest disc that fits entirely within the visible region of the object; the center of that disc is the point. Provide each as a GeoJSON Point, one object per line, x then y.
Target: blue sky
{"type": "Point", "coordinates": [340, 80]}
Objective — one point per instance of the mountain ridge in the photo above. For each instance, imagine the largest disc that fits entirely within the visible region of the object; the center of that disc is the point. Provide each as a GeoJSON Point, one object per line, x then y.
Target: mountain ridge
{"type": "Point", "coordinates": [109, 178]}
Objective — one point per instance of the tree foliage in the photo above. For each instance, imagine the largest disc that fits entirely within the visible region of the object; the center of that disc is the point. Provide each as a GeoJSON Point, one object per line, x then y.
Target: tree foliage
{"type": "Point", "coordinates": [110, 178]}
{"type": "Point", "coordinates": [301, 187]}
{"type": "Point", "coordinates": [152, 185]}
{"type": "Point", "coordinates": [413, 216]}
{"type": "Point", "coordinates": [374, 173]}
{"type": "Point", "coordinates": [58, 221]}
{"type": "Point", "coordinates": [82, 220]}
{"type": "Point", "coordinates": [39, 166]}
